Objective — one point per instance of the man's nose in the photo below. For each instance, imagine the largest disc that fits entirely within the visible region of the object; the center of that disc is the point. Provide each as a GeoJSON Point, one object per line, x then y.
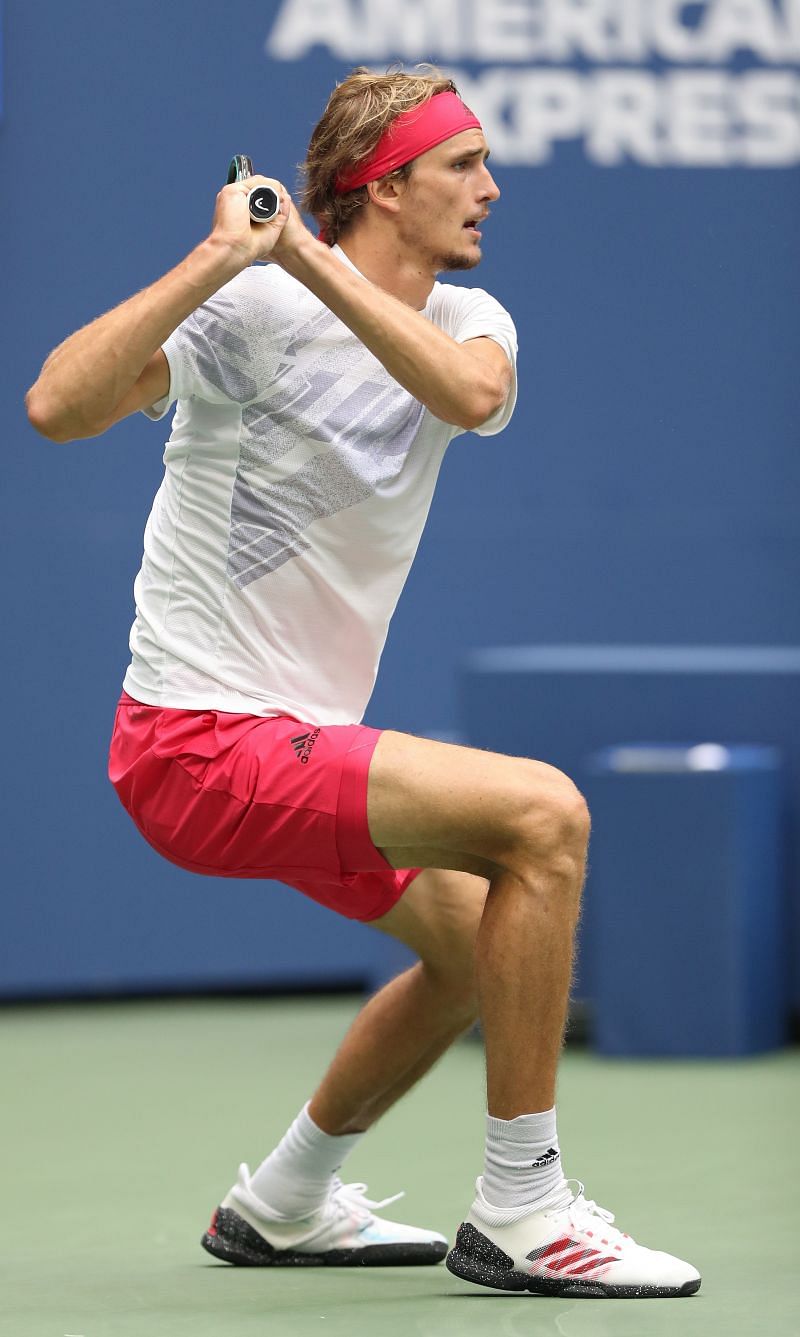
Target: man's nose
{"type": "Point", "coordinates": [489, 188]}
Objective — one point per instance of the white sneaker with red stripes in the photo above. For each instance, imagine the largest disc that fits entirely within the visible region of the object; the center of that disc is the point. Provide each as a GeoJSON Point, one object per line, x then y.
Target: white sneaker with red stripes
{"type": "Point", "coordinates": [570, 1250]}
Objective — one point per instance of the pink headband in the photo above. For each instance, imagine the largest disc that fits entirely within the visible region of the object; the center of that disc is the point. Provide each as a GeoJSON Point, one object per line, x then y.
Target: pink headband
{"type": "Point", "coordinates": [410, 134]}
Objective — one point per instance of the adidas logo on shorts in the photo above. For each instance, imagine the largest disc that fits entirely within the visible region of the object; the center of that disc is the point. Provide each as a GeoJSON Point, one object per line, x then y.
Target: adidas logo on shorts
{"type": "Point", "coordinates": [303, 744]}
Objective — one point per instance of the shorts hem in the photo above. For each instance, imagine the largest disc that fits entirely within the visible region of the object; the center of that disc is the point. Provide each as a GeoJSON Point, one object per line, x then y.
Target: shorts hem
{"type": "Point", "coordinates": [355, 847]}
{"type": "Point", "coordinates": [401, 887]}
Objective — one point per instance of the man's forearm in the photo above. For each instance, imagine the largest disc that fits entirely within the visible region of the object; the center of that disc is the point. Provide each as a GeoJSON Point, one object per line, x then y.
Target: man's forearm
{"type": "Point", "coordinates": [445, 376]}
{"type": "Point", "coordinates": [87, 377]}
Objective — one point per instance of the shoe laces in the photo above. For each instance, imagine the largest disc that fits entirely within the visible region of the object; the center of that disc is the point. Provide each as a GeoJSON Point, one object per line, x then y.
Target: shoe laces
{"type": "Point", "coordinates": [583, 1213]}
{"type": "Point", "coordinates": [354, 1197]}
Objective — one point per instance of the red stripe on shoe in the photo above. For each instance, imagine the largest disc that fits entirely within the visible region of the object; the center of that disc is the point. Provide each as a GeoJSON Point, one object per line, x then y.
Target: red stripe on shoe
{"type": "Point", "coordinates": [567, 1263]}
{"type": "Point", "coordinates": [594, 1263]}
{"type": "Point", "coordinates": [558, 1246]}
{"type": "Point", "coordinates": [548, 1250]}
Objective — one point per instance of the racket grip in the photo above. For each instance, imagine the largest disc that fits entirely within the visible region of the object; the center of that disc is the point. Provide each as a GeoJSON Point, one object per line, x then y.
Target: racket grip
{"type": "Point", "coordinates": [262, 202]}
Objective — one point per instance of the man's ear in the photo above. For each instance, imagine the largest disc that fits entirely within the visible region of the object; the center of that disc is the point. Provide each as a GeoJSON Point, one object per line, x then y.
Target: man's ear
{"type": "Point", "coordinates": [385, 193]}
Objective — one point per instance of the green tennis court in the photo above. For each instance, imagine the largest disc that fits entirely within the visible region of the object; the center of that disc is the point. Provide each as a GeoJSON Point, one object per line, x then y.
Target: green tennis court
{"type": "Point", "coordinates": [124, 1125]}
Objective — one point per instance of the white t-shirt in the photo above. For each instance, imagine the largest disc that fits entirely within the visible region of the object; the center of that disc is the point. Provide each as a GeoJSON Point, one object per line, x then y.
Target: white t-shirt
{"type": "Point", "coordinates": [298, 478]}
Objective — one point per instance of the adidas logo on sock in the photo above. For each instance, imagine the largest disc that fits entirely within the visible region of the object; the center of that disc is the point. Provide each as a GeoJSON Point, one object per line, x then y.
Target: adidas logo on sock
{"type": "Point", "coordinates": [303, 744]}
{"type": "Point", "coordinates": [547, 1158]}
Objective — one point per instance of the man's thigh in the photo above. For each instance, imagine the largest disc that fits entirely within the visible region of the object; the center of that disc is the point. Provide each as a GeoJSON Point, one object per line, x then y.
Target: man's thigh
{"type": "Point", "coordinates": [437, 805]}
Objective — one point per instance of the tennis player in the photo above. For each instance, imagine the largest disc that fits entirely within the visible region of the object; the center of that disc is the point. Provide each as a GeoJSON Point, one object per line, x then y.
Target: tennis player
{"type": "Point", "coordinates": [316, 397]}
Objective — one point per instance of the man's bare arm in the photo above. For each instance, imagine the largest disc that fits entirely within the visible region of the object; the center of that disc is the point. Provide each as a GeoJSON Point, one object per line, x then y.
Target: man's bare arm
{"type": "Point", "coordinates": [114, 366]}
{"type": "Point", "coordinates": [463, 384]}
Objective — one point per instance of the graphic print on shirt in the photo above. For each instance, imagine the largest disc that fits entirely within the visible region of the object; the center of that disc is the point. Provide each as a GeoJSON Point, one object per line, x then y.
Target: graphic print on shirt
{"type": "Point", "coordinates": [332, 428]}
{"type": "Point", "coordinates": [220, 350]}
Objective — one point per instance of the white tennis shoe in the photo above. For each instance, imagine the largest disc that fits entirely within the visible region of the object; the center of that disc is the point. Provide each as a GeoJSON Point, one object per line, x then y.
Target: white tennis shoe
{"type": "Point", "coordinates": [571, 1250]}
{"type": "Point", "coordinates": [343, 1233]}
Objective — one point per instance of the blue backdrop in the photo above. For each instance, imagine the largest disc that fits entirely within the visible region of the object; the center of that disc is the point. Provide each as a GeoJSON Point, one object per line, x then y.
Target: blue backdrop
{"type": "Point", "coordinates": [646, 491]}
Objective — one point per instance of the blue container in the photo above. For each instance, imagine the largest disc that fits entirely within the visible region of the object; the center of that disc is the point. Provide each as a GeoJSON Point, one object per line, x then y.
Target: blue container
{"type": "Point", "coordinates": [689, 931]}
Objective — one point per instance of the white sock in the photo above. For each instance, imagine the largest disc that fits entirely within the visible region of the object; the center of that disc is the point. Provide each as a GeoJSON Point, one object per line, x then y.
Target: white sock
{"type": "Point", "coordinates": [523, 1161]}
{"type": "Point", "coordinates": [295, 1179]}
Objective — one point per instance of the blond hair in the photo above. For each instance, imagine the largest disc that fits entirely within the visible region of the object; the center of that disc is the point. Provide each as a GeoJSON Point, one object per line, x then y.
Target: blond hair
{"type": "Point", "coordinates": [358, 113]}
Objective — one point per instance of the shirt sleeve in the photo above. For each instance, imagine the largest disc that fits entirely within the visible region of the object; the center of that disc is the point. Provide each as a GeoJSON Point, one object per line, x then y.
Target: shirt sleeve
{"type": "Point", "coordinates": [220, 353]}
{"type": "Point", "coordinates": [480, 316]}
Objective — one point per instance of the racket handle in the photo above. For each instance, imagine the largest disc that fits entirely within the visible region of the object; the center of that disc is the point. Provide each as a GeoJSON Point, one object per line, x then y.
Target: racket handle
{"type": "Point", "coordinates": [262, 201]}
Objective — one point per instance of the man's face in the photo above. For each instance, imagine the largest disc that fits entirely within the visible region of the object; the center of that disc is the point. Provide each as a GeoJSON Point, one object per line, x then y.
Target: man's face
{"type": "Point", "coordinates": [447, 196]}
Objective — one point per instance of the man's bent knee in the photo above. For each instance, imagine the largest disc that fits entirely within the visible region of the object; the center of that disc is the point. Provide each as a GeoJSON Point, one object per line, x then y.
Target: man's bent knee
{"type": "Point", "coordinates": [552, 820]}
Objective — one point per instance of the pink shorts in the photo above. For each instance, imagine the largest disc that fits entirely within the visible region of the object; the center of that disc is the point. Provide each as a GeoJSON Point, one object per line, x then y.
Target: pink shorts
{"type": "Point", "coordinates": [242, 796]}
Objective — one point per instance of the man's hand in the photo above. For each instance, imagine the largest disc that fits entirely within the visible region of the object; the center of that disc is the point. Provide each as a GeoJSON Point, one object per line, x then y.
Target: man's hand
{"type": "Point", "coordinates": [234, 228]}
{"type": "Point", "coordinates": [294, 238]}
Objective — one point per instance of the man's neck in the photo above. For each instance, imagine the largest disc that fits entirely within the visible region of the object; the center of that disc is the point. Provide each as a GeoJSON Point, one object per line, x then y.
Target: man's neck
{"type": "Point", "coordinates": [384, 264]}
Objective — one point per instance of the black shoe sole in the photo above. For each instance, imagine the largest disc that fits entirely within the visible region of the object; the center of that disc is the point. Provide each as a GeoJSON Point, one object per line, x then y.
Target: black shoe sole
{"type": "Point", "coordinates": [476, 1258]}
{"type": "Point", "coordinates": [233, 1240]}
